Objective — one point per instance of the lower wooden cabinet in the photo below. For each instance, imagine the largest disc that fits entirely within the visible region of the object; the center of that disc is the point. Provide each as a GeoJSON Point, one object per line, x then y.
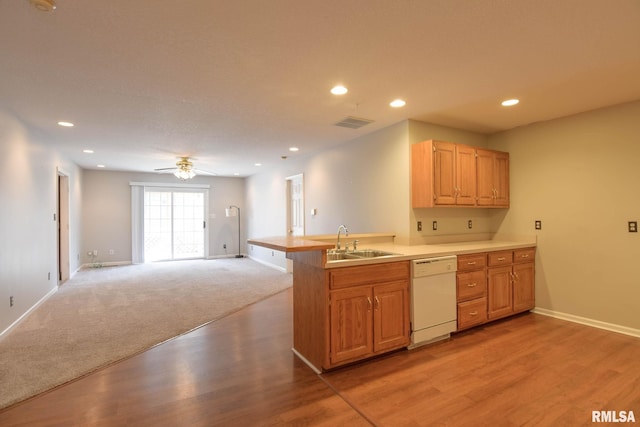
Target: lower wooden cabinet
{"type": "Point", "coordinates": [367, 318]}
{"type": "Point", "coordinates": [511, 288]}
{"type": "Point", "coordinates": [500, 292]}
{"type": "Point", "coordinates": [524, 290]}
{"type": "Point", "coordinates": [471, 290]}
{"type": "Point", "coordinates": [472, 313]}
{"type": "Point", "coordinates": [494, 285]}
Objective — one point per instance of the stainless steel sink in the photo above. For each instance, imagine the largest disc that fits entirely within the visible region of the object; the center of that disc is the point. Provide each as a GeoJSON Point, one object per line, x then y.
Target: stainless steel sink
{"type": "Point", "coordinates": [336, 255]}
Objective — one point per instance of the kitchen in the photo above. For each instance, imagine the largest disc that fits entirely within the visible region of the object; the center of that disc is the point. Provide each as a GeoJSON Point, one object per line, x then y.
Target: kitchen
{"type": "Point", "coordinates": [556, 170]}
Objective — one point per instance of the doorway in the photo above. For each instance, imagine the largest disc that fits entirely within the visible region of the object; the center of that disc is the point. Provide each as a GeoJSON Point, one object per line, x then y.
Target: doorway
{"type": "Point", "coordinates": [174, 224]}
{"type": "Point", "coordinates": [295, 205]}
{"type": "Point", "coordinates": [295, 209]}
{"type": "Point", "coordinates": [62, 224]}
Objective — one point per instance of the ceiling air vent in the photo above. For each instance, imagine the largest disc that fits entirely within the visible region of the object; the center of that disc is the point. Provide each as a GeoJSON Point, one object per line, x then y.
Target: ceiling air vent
{"type": "Point", "coordinates": [353, 122]}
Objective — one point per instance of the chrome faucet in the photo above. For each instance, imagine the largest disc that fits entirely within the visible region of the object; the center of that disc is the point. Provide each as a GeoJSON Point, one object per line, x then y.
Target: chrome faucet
{"type": "Point", "coordinates": [346, 233]}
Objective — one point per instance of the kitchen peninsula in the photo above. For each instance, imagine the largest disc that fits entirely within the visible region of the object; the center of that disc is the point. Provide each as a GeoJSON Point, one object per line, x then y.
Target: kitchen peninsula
{"type": "Point", "coordinates": [352, 309]}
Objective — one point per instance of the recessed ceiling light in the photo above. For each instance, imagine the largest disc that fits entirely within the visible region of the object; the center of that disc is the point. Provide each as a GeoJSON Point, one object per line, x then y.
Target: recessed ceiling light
{"type": "Point", "coordinates": [397, 103]}
{"type": "Point", "coordinates": [88, 151]}
{"type": "Point", "coordinates": [236, 173]}
{"type": "Point", "coordinates": [66, 124]}
{"type": "Point", "coordinates": [100, 166]}
{"type": "Point", "coordinates": [294, 149]}
{"type": "Point", "coordinates": [339, 90]}
{"type": "Point", "coordinates": [44, 5]}
{"type": "Point", "coordinates": [258, 164]}
{"type": "Point", "coordinates": [510, 102]}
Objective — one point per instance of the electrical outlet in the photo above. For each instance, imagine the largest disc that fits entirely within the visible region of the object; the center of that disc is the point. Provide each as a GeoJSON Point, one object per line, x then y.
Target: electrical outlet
{"type": "Point", "coordinates": [111, 252]}
{"type": "Point", "coordinates": [11, 301]}
{"type": "Point", "coordinates": [633, 226]}
{"type": "Point", "coordinates": [224, 246]}
{"type": "Point", "coordinates": [538, 224]}
{"type": "Point", "coordinates": [435, 225]}
{"type": "Point", "coordinates": [419, 225]}
{"type": "Point", "coordinates": [470, 224]}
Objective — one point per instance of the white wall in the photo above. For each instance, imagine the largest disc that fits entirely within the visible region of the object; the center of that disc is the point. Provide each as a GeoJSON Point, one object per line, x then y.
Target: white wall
{"type": "Point", "coordinates": [451, 221]}
{"type": "Point", "coordinates": [107, 213]}
{"type": "Point", "coordinates": [579, 175]}
{"type": "Point", "coordinates": [28, 232]}
{"type": "Point", "coordinates": [363, 184]}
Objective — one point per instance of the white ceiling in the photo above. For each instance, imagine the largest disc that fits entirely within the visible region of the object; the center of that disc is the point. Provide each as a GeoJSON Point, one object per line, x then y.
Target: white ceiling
{"type": "Point", "coordinates": [237, 82]}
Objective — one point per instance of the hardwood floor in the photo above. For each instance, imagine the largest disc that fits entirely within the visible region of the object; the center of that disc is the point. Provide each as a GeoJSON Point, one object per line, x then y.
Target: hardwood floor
{"type": "Point", "coordinates": [528, 370]}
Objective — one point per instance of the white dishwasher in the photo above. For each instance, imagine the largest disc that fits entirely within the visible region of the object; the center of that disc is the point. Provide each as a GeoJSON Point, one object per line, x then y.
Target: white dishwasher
{"type": "Point", "coordinates": [433, 299]}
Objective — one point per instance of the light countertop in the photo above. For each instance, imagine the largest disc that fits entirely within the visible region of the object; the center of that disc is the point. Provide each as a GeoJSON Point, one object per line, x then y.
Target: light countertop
{"type": "Point", "coordinates": [403, 252]}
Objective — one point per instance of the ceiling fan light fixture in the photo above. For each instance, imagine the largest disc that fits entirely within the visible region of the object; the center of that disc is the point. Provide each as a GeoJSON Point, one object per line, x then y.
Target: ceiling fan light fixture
{"type": "Point", "coordinates": [184, 174]}
{"type": "Point", "coordinates": [184, 169]}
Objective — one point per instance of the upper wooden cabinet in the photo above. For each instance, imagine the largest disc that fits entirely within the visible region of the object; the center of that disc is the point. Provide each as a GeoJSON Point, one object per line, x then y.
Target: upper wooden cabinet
{"type": "Point", "coordinates": [449, 174]}
{"type": "Point", "coordinates": [492, 178]}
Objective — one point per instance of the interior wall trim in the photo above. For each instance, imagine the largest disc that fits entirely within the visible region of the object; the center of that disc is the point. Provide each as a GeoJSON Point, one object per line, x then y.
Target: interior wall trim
{"type": "Point", "coordinates": [26, 313]}
{"type": "Point", "coordinates": [589, 322]}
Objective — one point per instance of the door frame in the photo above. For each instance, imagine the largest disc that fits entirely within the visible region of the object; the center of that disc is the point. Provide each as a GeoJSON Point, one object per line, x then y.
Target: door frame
{"type": "Point", "coordinates": [62, 225]}
{"type": "Point", "coordinates": [289, 208]}
{"type": "Point", "coordinates": [185, 188]}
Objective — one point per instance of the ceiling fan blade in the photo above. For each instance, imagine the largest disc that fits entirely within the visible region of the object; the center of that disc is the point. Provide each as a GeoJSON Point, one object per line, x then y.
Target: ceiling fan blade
{"type": "Point", "coordinates": [204, 172]}
{"type": "Point", "coordinates": [165, 169]}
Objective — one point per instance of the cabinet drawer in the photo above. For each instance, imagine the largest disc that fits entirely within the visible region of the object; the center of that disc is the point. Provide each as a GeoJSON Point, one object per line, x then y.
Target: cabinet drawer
{"type": "Point", "coordinates": [367, 274]}
{"type": "Point", "coordinates": [471, 313]}
{"type": "Point", "coordinates": [471, 285]}
{"type": "Point", "coordinates": [471, 261]}
{"type": "Point", "coordinates": [500, 258]}
{"type": "Point", "coordinates": [524, 255]}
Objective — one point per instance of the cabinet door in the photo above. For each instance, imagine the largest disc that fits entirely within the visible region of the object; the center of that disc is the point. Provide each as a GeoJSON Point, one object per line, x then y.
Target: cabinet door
{"type": "Point", "coordinates": [492, 177]}
{"type": "Point", "coordinates": [499, 292]}
{"type": "Point", "coordinates": [465, 175]}
{"type": "Point", "coordinates": [444, 173]}
{"type": "Point", "coordinates": [391, 316]}
{"type": "Point", "coordinates": [501, 179]}
{"type": "Point", "coordinates": [351, 326]}
{"type": "Point", "coordinates": [485, 177]}
{"type": "Point", "coordinates": [524, 297]}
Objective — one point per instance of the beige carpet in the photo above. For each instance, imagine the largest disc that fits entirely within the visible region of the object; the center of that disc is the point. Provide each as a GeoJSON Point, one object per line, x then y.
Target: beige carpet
{"type": "Point", "coordinates": [105, 314]}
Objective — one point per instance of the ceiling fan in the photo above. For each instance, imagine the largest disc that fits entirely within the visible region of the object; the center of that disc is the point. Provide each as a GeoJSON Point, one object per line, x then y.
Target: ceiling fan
{"type": "Point", "coordinates": [184, 169]}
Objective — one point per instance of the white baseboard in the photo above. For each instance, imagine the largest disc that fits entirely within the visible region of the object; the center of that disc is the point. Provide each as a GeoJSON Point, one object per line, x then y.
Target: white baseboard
{"type": "Point", "coordinates": [26, 313]}
{"type": "Point", "coordinates": [275, 267]}
{"type": "Point", "coordinates": [224, 256]}
{"type": "Point", "coordinates": [104, 264]}
{"type": "Point", "coordinates": [589, 322]}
